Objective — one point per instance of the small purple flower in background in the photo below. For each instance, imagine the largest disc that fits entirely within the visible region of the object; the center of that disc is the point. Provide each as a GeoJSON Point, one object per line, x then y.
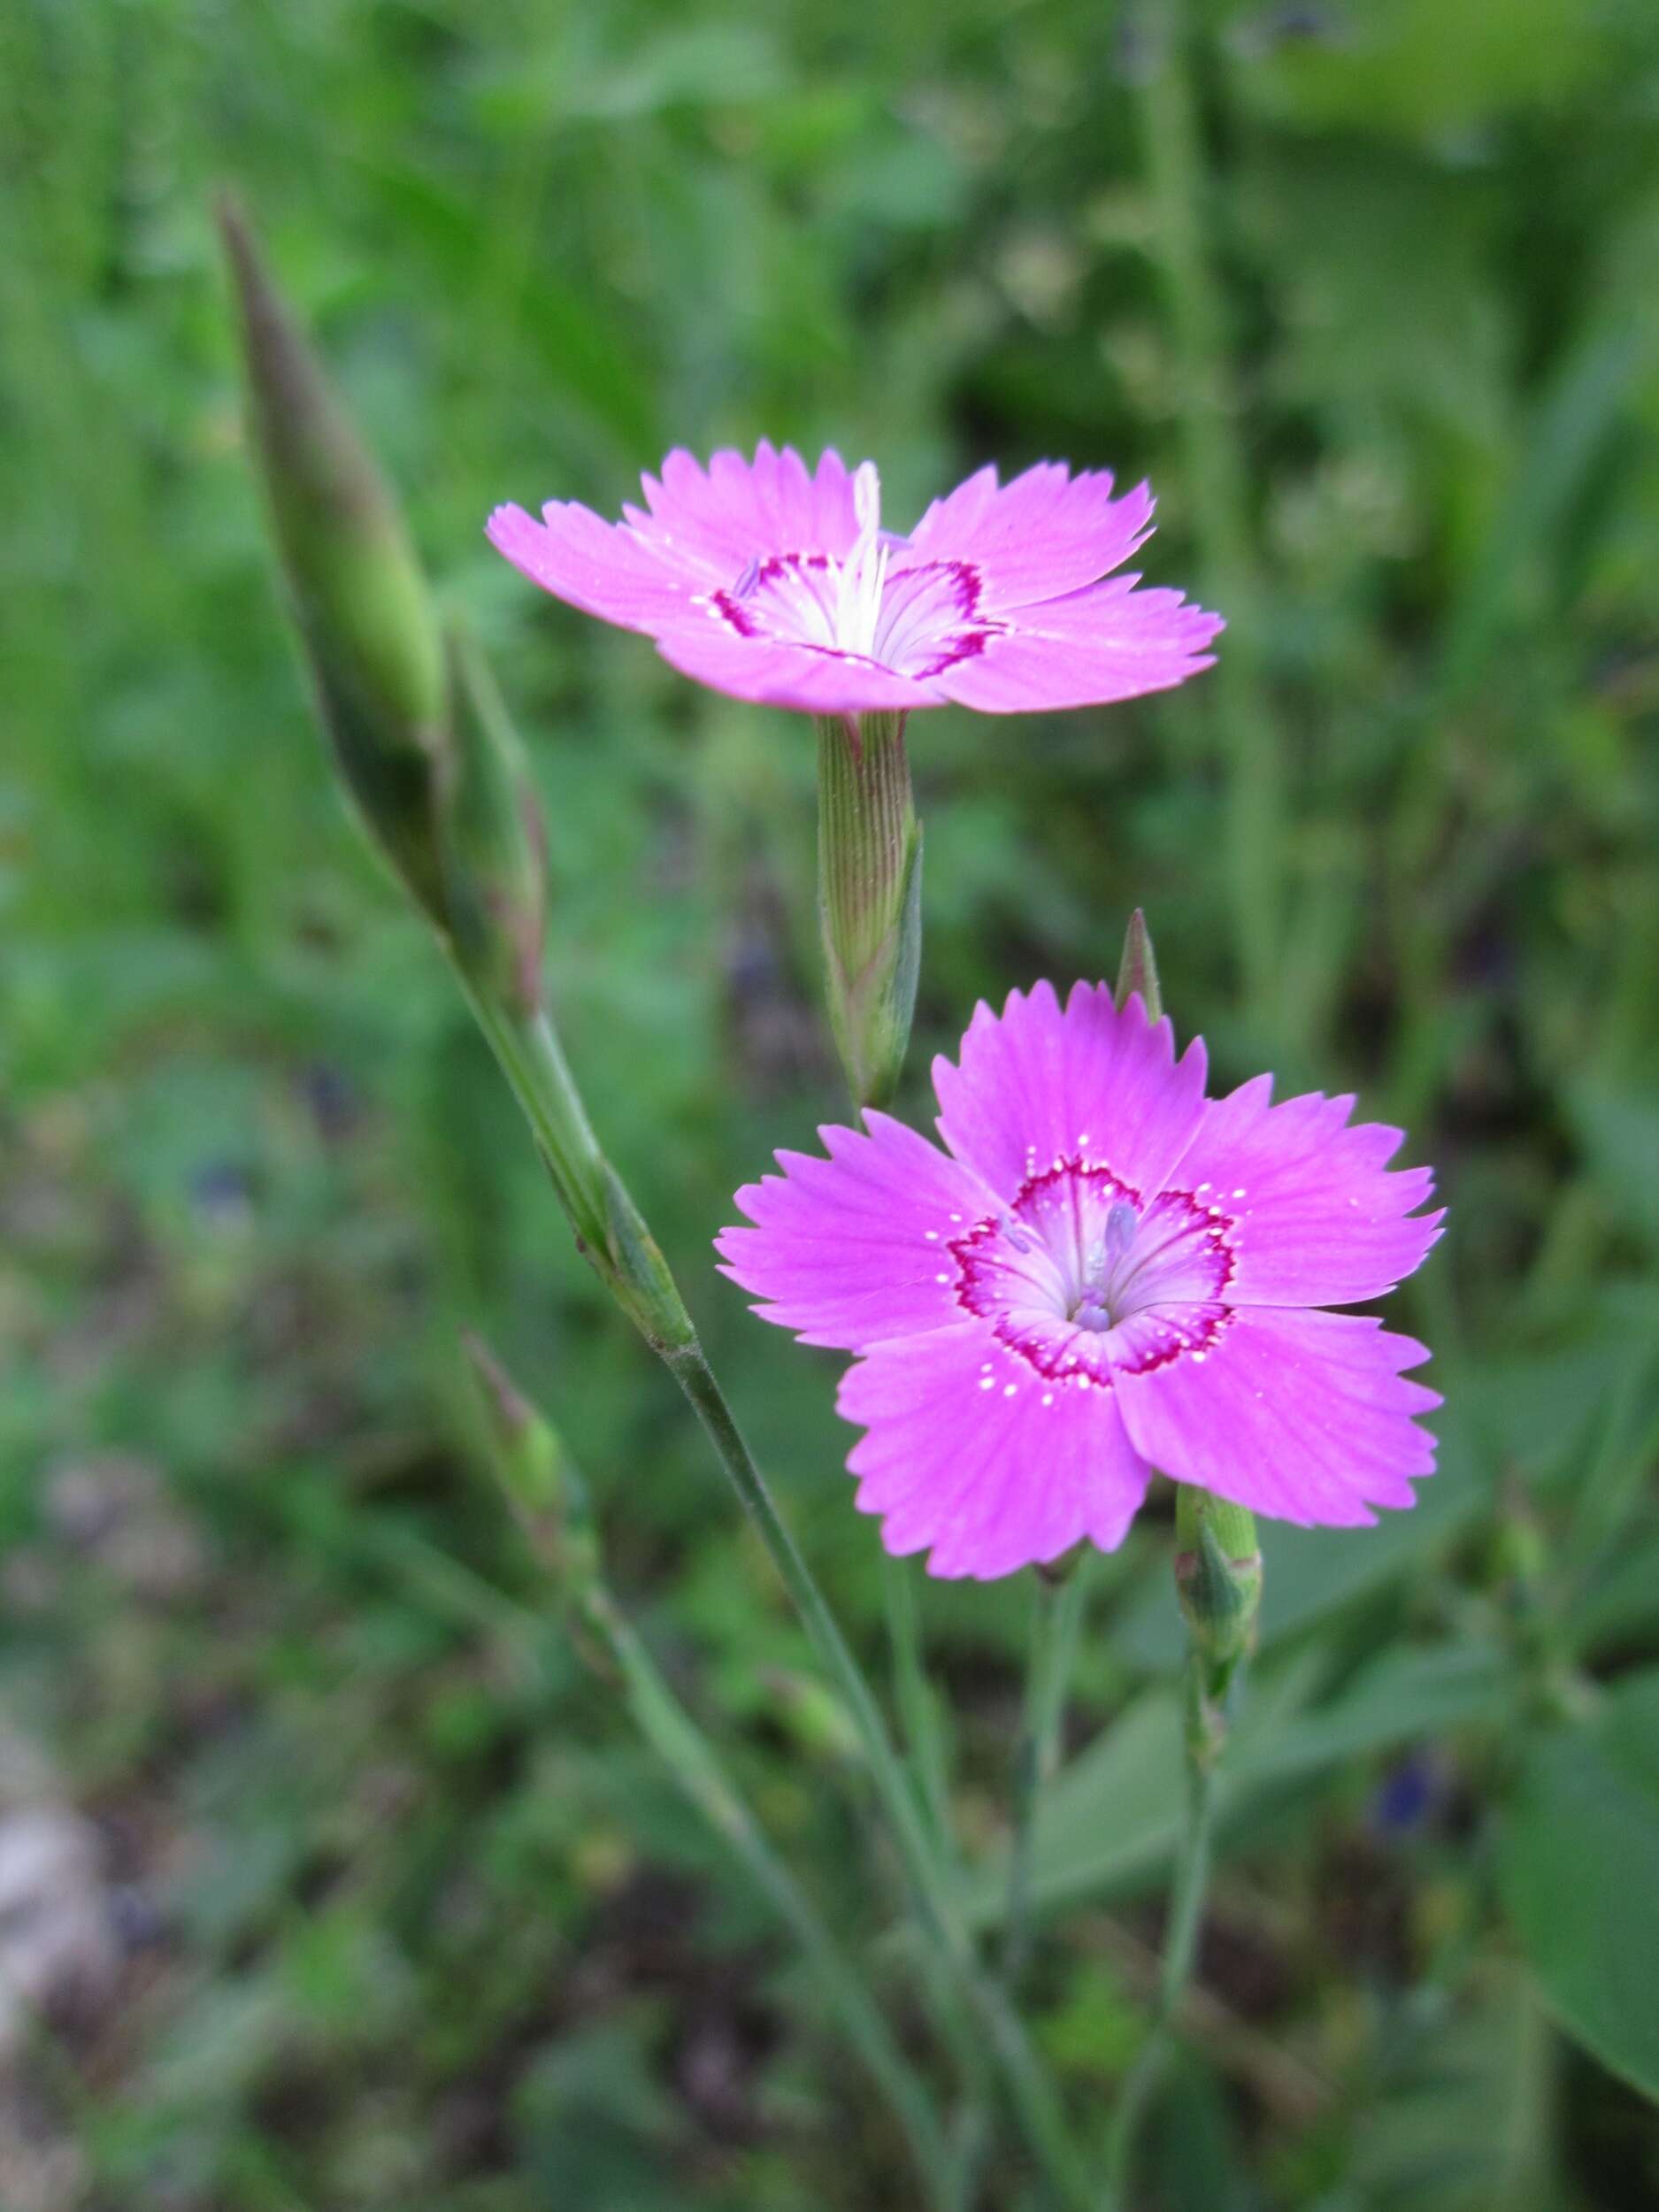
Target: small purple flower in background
{"type": "Point", "coordinates": [776, 585]}
{"type": "Point", "coordinates": [1107, 1273]}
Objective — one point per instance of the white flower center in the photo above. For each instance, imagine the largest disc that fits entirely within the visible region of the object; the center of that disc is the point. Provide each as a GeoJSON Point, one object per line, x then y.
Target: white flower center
{"type": "Point", "coordinates": [915, 618]}
{"type": "Point", "coordinates": [1082, 1278]}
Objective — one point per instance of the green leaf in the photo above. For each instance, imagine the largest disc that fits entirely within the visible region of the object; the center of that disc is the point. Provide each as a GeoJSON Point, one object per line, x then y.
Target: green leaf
{"type": "Point", "coordinates": [1463, 2117]}
{"type": "Point", "coordinates": [1109, 1821]}
{"type": "Point", "coordinates": [1578, 1868]}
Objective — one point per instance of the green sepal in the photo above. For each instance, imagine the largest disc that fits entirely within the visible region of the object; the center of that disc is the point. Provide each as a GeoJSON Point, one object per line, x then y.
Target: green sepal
{"type": "Point", "coordinates": [869, 897]}
{"type": "Point", "coordinates": [1218, 1581]}
{"type": "Point", "coordinates": [360, 602]}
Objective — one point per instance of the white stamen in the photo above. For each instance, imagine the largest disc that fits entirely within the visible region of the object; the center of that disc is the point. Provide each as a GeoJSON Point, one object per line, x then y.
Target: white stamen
{"type": "Point", "coordinates": [865, 570]}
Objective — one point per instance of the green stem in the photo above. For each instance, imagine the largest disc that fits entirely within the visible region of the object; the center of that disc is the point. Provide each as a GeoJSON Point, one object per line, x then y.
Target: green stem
{"type": "Point", "coordinates": [696, 1767]}
{"type": "Point", "coordinates": [1205, 1732]}
{"type": "Point", "coordinates": [530, 1058]}
{"type": "Point", "coordinates": [918, 1706]}
{"type": "Point", "coordinates": [1031, 2091]}
{"type": "Point", "coordinates": [1055, 1614]}
{"type": "Point", "coordinates": [1175, 169]}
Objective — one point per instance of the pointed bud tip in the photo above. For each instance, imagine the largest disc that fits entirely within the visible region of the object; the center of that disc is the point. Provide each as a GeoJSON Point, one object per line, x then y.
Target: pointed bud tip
{"type": "Point", "coordinates": [511, 1412]}
{"type": "Point", "coordinates": [1137, 971]}
{"type": "Point", "coordinates": [354, 587]}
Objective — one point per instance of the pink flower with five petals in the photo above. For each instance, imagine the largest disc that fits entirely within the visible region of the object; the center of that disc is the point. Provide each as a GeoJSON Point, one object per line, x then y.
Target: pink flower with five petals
{"type": "Point", "coordinates": [1104, 1273]}
{"type": "Point", "coordinates": [771, 582]}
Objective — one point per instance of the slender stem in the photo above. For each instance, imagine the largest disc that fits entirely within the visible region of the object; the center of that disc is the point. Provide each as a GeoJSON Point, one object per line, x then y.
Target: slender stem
{"type": "Point", "coordinates": [971, 2119]}
{"type": "Point", "coordinates": [1057, 1620]}
{"type": "Point", "coordinates": [1187, 1890]}
{"type": "Point", "coordinates": [531, 1060]}
{"type": "Point", "coordinates": [1035, 1748]}
{"type": "Point", "coordinates": [530, 1056]}
{"type": "Point", "coordinates": [1175, 170]}
{"type": "Point", "coordinates": [696, 1766]}
{"type": "Point", "coordinates": [1030, 2089]}
{"type": "Point", "coordinates": [918, 1705]}
{"type": "Point", "coordinates": [1068, 1626]}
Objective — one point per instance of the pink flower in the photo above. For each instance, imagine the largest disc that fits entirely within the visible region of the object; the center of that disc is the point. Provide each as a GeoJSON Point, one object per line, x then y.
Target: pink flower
{"type": "Point", "coordinates": [772, 584]}
{"type": "Point", "coordinates": [1105, 1273]}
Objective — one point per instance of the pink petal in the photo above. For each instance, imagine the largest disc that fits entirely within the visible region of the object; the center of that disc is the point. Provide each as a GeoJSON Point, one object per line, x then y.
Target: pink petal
{"type": "Point", "coordinates": [972, 1457]}
{"type": "Point", "coordinates": [854, 1248]}
{"type": "Point", "coordinates": [717, 523]}
{"type": "Point", "coordinates": [1301, 1415]}
{"type": "Point", "coordinates": [1107, 642]}
{"type": "Point", "coordinates": [597, 566]}
{"type": "Point", "coordinates": [808, 679]}
{"type": "Point", "coordinates": [1037, 1084]}
{"type": "Point", "coordinates": [1321, 1220]}
{"type": "Point", "coordinates": [1045, 534]}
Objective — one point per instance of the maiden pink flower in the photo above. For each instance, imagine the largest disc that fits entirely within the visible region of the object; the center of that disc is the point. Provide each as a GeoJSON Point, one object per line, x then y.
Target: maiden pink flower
{"type": "Point", "coordinates": [1105, 1273]}
{"type": "Point", "coordinates": [776, 585]}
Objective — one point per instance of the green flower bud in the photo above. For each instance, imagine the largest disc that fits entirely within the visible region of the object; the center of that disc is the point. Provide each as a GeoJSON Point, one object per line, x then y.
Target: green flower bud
{"type": "Point", "coordinates": [359, 599]}
{"type": "Point", "coordinates": [1218, 1581]}
{"type": "Point", "coordinates": [1137, 971]}
{"type": "Point", "coordinates": [869, 896]}
{"type": "Point", "coordinates": [548, 1496]}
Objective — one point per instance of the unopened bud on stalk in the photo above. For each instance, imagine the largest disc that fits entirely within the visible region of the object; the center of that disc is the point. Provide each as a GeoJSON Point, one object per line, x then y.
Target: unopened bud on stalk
{"type": "Point", "coordinates": [1137, 970]}
{"type": "Point", "coordinates": [370, 633]}
{"type": "Point", "coordinates": [1218, 1581]}
{"type": "Point", "coordinates": [870, 895]}
{"type": "Point", "coordinates": [548, 1496]}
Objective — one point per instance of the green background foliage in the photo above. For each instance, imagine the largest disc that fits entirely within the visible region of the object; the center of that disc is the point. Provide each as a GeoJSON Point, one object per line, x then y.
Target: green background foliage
{"type": "Point", "coordinates": [406, 1916]}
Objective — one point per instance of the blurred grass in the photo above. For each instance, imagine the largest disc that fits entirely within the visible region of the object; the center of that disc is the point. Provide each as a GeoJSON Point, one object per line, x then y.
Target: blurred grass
{"type": "Point", "coordinates": [1368, 291]}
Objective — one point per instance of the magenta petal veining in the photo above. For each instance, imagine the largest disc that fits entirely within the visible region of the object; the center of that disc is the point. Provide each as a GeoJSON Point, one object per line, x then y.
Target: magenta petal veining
{"type": "Point", "coordinates": [1105, 1273]}
{"type": "Point", "coordinates": [775, 583]}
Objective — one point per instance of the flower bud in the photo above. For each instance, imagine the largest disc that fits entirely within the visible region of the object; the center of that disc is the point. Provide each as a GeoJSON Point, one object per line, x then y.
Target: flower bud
{"type": "Point", "coordinates": [1137, 971]}
{"type": "Point", "coordinates": [1218, 1581]}
{"type": "Point", "coordinates": [359, 599]}
{"type": "Point", "coordinates": [869, 896]}
{"type": "Point", "coordinates": [548, 1496]}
